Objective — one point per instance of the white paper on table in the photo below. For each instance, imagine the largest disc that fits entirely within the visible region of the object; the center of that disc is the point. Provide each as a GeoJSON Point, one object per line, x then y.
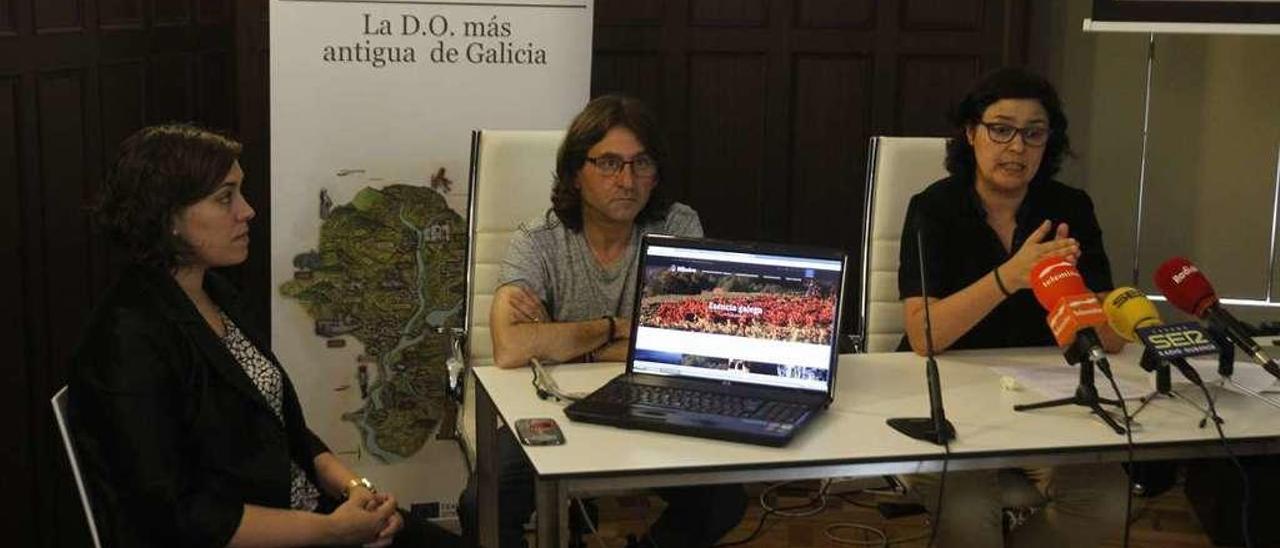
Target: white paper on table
{"type": "Point", "coordinates": [1248, 374]}
{"type": "Point", "coordinates": [1060, 381]}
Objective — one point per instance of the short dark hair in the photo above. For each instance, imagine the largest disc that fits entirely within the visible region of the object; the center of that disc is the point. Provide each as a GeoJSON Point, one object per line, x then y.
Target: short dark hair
{"type": "Point", "coordinates": [1007, 83]}
{"type": "Point", "coordinates": [160, 171]}
{"type": "Point", "coordinates": [588, 128]}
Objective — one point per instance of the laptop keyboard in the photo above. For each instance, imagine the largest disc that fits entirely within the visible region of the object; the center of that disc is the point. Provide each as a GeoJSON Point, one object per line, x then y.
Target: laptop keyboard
{"type": "Point", "coordinates": [702, 402]}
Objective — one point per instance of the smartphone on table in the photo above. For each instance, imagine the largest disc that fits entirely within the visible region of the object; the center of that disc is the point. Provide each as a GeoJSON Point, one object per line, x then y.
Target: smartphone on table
{"type": "Point", "coordinates": [542, 431]}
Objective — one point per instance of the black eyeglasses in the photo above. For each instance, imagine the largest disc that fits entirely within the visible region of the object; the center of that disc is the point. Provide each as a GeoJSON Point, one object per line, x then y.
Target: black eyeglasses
{"type": "Point", "coordinates": [642, 166]}
{"type": "Point", "coordinates": [1032, 136]}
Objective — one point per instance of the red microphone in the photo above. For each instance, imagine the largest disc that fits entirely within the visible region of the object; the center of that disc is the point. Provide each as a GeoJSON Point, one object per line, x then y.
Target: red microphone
{"type": "Point", "coordinates": [1185, 287]}
{"type": "Point", "coordinates": [1058, 286]}
{"type": "Point", "coordinates": [1189, 290]}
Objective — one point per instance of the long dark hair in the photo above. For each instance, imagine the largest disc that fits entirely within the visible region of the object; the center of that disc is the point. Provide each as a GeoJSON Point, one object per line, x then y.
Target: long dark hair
{"type": "Point", "coordinates": [160, 171]}
{"type": "Point", "coordinates": [588, 128]}
{"type": "Point", "coordinates": [1007, 83]}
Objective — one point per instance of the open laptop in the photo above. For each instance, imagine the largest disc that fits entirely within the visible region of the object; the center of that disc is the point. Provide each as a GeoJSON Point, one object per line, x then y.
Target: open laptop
{"type": "Point", "coordinates": [733, 341]}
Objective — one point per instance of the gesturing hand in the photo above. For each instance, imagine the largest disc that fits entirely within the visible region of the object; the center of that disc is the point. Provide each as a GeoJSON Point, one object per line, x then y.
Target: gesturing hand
{"type": "Point", "coordinates": [1016, 272]}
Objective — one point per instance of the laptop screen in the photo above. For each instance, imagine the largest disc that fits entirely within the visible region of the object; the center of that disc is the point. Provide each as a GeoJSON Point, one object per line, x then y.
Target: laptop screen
{"type": "Point", "coordinates": [746, 317]}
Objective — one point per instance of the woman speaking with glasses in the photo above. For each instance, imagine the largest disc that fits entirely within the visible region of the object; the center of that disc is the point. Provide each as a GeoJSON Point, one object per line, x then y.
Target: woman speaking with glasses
{"type": "Point", "coordinates": [998, 213]}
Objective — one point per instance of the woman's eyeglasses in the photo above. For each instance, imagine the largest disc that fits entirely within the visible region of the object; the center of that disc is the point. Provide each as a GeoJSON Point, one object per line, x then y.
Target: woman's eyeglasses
{"type": "Point", "coordinates": [1032, 136]}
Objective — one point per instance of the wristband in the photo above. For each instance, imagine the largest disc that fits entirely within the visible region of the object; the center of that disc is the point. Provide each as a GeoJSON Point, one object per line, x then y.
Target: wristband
{"type": "Point", "coordinates": [1000, 283]}
{"type": "Point", "coordinates": [591, 356]}
{"type": "Point", "coordinates": [613, 326]}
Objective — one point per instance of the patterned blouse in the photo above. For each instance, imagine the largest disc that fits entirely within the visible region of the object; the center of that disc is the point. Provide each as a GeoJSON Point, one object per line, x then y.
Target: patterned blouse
{"type": "Point", "coordinates": [303, 495]}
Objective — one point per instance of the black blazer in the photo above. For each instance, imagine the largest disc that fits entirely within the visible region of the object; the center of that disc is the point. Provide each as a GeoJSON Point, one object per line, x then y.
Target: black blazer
{"type": "Point", "coordinates": [172, 435]}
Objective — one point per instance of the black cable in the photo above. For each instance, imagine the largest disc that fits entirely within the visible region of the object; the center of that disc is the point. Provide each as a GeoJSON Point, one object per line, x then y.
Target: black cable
{"type": "Point", "coordinates": [942, 488]}
{"type": "Point", "coordinates": [846, 497]}
{"type": "Point", "coordinates": [1244, 476]}
{"type": "Point", "coordinates": [1128, 434]}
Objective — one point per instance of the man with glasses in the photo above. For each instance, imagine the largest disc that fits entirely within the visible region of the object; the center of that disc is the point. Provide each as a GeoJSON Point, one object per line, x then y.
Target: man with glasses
{"type": "Point", "coordinates": [566, 292]}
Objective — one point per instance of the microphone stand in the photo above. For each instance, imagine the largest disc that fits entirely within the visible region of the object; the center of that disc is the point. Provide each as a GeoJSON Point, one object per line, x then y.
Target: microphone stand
{"type": "Point", "coordinates": [1081, 353]}
{"type": "Point", "coordinates": [1164, 387]}
{"type": "Point", "coordinates": [1226, 365]}
{"type": "Point", "coordinates": [935, 428]}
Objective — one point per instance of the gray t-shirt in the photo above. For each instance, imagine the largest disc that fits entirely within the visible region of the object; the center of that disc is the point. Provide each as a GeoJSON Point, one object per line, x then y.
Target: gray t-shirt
{"type": "Point", "coordinates": [558, 266]}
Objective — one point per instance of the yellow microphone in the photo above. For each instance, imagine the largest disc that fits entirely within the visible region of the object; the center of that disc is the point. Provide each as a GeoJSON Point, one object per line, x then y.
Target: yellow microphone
{"type": "Point", "coordinates": [1127, 310]}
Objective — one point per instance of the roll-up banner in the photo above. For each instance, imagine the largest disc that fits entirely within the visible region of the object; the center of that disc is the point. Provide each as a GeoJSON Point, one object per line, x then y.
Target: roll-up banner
{"type": "Point", "coordinates": [1188, 11]}
{"type": "Point", "coordinates": [372, 108]}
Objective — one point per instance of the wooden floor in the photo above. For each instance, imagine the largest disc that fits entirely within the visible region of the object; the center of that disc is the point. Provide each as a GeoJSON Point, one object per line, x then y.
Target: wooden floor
{"type": "Point", "coordinates": [1166, 521]}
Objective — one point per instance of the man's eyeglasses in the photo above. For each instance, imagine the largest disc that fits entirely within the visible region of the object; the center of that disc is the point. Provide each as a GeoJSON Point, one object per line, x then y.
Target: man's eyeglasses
{"type": "Point", "coordinates": [642, 166]}
{"type": "Point", "coordinates": [1033, 136]}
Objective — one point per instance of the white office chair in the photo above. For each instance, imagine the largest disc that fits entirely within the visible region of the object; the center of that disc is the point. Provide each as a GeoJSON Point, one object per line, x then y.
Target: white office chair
{"type": "Point", "coordinates": [897, 169]}
{"type": "Point", "coordinates": [510, 182]}
{"type": "Point", "coordinates": [59, 402]}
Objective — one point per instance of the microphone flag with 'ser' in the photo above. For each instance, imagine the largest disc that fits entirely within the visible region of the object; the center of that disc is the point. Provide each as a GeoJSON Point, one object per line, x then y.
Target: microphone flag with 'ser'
{"type": "Point", "coordinates": [1134, 317]}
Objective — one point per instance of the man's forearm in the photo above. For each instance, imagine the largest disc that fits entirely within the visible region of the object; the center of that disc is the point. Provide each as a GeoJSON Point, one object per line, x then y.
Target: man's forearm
{"type": "Point", "coordinates": [616, 351]}
{"type": "Point", "coordinates": [516, 343]}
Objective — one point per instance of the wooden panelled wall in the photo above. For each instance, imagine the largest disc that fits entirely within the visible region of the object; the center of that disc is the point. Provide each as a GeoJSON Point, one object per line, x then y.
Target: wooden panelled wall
{"type": "Point", "coordinates": [76, 77]}
{"type": "Point", "coordinates": [768, 105]}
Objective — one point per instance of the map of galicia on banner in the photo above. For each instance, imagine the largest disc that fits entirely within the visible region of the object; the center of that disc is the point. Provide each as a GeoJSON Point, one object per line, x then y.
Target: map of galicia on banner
{"type": "Point", "coordinates": [373, 105]}
{"type": "Point", "coordinates": [387, 273]}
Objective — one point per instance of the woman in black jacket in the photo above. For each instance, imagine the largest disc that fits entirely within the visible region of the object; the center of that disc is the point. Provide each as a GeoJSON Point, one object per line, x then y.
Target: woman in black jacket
{"type": "Point", "coordinates": [189, 430]}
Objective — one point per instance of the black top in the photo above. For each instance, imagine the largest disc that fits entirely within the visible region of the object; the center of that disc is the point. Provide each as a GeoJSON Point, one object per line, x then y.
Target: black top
{"type": "Point", "coordinates": [172, 435]}
{"type": "Point", "coordinates": [960, 248]}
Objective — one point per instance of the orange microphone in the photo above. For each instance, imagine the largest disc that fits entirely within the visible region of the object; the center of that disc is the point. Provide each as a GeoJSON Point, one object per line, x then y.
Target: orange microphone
{"type": "Point", "coordinates": [1074, 312]}
{"type": "Point", "coordinates": [1058, 286]}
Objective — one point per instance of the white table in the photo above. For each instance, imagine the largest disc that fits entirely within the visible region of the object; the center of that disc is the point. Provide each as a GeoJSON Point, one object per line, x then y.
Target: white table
{"type": "Point", "coordinates": [850, 438]}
